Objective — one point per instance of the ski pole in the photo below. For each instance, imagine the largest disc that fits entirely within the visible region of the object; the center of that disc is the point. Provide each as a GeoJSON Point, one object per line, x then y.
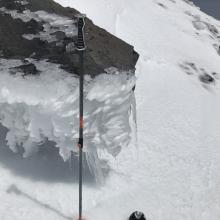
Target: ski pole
{"type": "Point", "coordinates": [81, 48]}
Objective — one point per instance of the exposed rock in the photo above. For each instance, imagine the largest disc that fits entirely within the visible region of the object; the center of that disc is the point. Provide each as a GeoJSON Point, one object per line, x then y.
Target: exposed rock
{"type": "Point", "coordinates": [199, 25]}
{"type": "Point", "coordinates": [212, 28]}
{"type": "Point", "coordinates": [26, 69]}
{"type": "Point", "coordinates": [70, 47]}
{"type": "Point", "coordinates": [162, 5]}
{"type": "Point", "coordinates": [206, 78]}
{"type": "Point", "coordinates": [60, 35]}
{"type": "Point", "coordinates": [34, 27]}
{"type": "Point", "coordinates": [42, 29]}
{"type": "Point", "coordinates": [202, 74]}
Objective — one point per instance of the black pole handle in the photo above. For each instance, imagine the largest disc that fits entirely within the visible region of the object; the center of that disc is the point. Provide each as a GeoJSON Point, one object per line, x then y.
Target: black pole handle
{"type": "Point", "coordinates": [80, 45]}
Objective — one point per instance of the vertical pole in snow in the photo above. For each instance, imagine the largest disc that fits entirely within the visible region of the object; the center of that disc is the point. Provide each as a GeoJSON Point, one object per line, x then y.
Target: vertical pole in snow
{"type": "Point", "coordinates": [81, 48]}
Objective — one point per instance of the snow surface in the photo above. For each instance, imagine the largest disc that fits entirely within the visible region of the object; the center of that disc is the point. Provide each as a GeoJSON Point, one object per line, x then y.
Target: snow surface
{"type": "Point", "coordinates": [176, 174]}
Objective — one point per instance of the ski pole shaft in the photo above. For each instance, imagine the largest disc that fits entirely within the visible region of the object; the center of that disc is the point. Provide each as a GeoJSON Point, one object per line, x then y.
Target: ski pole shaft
{"type": "Point", "coordinates": [81, 47]}
{"type": "Point", "coordinates": [81, 135]}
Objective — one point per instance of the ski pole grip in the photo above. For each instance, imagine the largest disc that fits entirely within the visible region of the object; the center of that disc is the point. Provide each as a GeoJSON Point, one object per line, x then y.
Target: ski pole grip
{"type": "Point", "coordinates": [80, 45]}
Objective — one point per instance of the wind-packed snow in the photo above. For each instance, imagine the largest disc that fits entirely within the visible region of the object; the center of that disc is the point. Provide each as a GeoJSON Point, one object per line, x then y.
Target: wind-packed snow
{"type": "Point", "coordinates": [176, 173]}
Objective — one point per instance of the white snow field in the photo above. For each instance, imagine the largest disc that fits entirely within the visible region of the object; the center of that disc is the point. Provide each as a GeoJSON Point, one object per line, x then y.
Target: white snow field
{"type": "Point", "coordinates": [174, 174]}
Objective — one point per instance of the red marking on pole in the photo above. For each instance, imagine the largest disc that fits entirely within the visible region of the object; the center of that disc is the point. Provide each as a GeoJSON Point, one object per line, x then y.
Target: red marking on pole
{"type": "Point", "coordinates": [81, 122]}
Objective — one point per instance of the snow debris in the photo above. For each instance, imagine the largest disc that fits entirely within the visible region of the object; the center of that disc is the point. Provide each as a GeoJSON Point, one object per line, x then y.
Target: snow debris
{"type": "Point", "coordinates": [50, 22]}
{"type": "Point", "coordinates": [22, 2]}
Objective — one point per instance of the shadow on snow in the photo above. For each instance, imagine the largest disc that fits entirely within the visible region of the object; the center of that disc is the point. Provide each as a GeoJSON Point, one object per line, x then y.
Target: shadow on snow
{"type": "Point", "coordinates": [46, 165]}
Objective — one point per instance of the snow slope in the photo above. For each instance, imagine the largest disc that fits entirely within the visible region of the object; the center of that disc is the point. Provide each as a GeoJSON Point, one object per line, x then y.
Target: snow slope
{"type": "Point", "coordinates": [175, 175]}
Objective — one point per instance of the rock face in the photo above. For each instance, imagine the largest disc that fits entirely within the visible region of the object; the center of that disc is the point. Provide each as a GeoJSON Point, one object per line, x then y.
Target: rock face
{"type": "Point", "coordinates": [42, 29]}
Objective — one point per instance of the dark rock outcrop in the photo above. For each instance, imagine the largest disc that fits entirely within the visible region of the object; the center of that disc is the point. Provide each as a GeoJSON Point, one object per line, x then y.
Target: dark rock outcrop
{"type": "Point", "coordinates": [24, 35]}
{"type": "Point", "coordinates": [206, 78]}
{"type": "Point", "coordinates": [26, 69]}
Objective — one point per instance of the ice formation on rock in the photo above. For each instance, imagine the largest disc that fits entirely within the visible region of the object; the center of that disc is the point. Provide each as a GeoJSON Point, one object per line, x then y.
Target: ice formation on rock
{"type": "Point", "coordinates": [44, 107]}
